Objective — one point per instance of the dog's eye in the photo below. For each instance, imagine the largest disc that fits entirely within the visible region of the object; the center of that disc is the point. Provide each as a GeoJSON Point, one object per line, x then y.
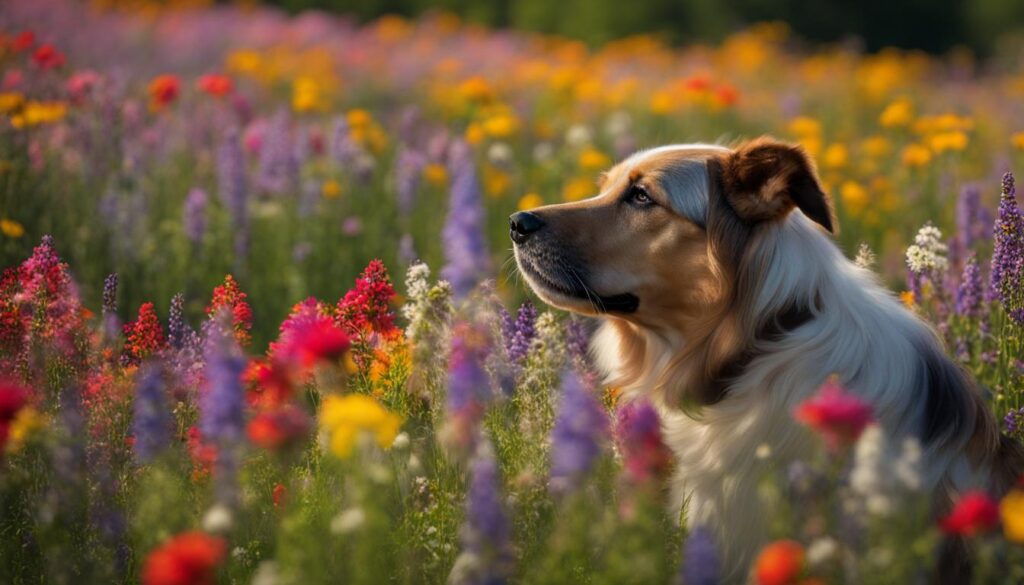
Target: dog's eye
{"type": "Point", "coordinates": [637, 195]}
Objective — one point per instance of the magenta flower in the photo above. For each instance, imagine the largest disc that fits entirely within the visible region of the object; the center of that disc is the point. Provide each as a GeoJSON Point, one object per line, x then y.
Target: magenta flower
{"type": "Point", "coordinates": [837, 415]}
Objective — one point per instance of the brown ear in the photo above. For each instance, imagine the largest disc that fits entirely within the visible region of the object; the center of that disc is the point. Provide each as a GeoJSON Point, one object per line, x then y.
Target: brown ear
{"type": "Point", "coordinates": [765, 179]}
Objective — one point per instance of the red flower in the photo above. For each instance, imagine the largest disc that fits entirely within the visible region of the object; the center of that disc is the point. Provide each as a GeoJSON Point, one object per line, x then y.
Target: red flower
{"type": "Point", "coordinates": [268, 383]}
{"type": "Point", "coordinates": [13, 397]}
{"type": "Point", "coordinates": [190, 558]}
{"type": "Point", "coordinates": [279, 495]}
{"type": "Point", "coordinates": [163, 90]}
{"type": "Point", "coordinates": [279, 428]}
{"type": "Point", "coordinates": [727, 95]}
{"type": "Point", "coordinates": [48, 57]}
{"type": "Point", "coordinates": [81, 85]}
{"type": "Point", "coordinates": [203, 454]}
{"type": "Point", "coordinates": [315, 341]}
{"type": "Point", "coordinates": [215, 84]}
{"type": "Point", "coordinates": [367, 306]}
{"type": "Point", "coordinates": [143, 337]}
{"type": "Point", "coordinates": [974, 513]}
{"type": "Point", "coordinates": [229, 296]}
{"type": "Point", "coordinates": [840, 417]}
{"type": "Point", "coordinates": [780, 563]}
{"type": "Point", "coordinates": [23, 41]}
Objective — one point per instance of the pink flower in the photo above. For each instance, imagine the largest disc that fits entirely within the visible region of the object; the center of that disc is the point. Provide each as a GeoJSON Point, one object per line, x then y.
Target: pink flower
{"type": "Point", "coordinates": [81, 84]}
{"type": "Point", "coordinates": [975, 512]}
{"type": "Point", "coordinates": [638, 435]}
{"type": "Point", "coordinates": [839, 416]}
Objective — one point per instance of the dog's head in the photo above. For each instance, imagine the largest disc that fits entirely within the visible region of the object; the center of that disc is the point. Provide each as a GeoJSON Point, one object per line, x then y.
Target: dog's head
{"type": "Point", "coordinates": [661, 242]}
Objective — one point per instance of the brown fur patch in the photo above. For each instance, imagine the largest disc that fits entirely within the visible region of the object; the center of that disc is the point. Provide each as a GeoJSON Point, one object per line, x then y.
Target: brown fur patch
{"type": "Point", "coordinates": [764, 179]}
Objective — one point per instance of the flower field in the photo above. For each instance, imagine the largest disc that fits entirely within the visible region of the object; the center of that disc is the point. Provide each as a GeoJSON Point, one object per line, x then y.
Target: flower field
{"type": "Point", "coordinates": [259, 321]}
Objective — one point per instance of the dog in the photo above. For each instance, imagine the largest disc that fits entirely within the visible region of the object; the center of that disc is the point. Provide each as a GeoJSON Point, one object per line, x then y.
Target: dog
{"type": "Point", "coordinates": [726, 302]}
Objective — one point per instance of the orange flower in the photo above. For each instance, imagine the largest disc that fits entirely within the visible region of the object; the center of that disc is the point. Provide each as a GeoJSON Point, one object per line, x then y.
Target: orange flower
{"type": "Point", "coordinates": [215, 84]}
{"type": "Point", "coordinates": [190, 558]}
{"type": "Point", "coordinates": [780, 563]}
{"type": "Point", "coordinates": [163, 90]}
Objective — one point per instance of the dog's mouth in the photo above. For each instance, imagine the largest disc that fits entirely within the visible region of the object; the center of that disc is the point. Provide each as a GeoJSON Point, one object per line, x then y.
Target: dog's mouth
{"type": "Point", "coordinates": [575, 295]}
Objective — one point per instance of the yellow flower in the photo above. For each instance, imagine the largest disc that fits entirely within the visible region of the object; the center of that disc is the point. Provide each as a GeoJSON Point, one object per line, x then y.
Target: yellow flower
{"type": "Point", "coordinates": [347, 418]}
{"type": "Point", "coordinates": [916, 155]}
{"type": "Point", "coordinates": [836, 156]}
{"type": "Point", "coordinates": [907, 298]}
{"type": "Point", "coordinates": [36, 113]}
{"type": "Point", "coordinates": [804, 127]}
{"type": "Point", "coordinates": [1012, 511]}
{"type": "Point", "coordinates": [662, 103]}
{"type": "Point", "coordinates": [11, 228]}
{"type": "Point", "coordinates": [244, 62]}
{"type": "Point", "coordinates": [331, 189]}
{"type": "Point", "coordinates": [592, 159]}
{"type": "Point", "coordinates": [476, 89]}
{"type": "Point", "coordinates": [944, 141]}
{"type": "Point", "coordinates": [530, 201]}
{"type": "Point", "coordinates": [475, 134]}
{"type": "Point", "coordinates": [10, 101]}
{"type": "Point", "coordinates": [1017, 140]}
{"type": "Point", "coordinates": [899, 113]}
{"type": "Point", "coordinates": [501, 125]}
{"type": "Point", "coordinates": [25, 423]}
{"type": "Point", "coordinates": [876, 146]}
{"type": "Point", "coordinates": [577, 188]}
{"type": "Point", "coordinates": [436, 174]}
{"type": "Point", "coordinates": [496, 181]}
{"type": "Point", "coordinates": [306, 95]}
{"type": "Point", "coordinates": [854, 196]}
{"type": "Point", "coordinates": [359, 118]}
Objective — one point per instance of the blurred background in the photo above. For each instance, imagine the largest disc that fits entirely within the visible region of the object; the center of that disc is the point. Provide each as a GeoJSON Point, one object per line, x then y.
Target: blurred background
{"type": "Point", "coordinates": [929, 25]}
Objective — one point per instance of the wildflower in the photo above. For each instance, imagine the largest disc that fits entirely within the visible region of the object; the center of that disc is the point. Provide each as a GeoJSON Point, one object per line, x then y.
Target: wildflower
{"type": "Point", "coordinates": [348, 521]}
{"type": "Point", "coordinates": [163, 90]}
{"type": "Point", "coordinates": [194, 215]}
{"type": "Point", "coordinates": [469, 387]}
{"type": "Point", "coordinates": [331, 189]}
{"type": "Point", "coordinates": [13, 398]}
{"type": "Point", "coordinates": [233, 190]}
{"type": "Point", "coordinates": [1011, 510]}
{"type": "Point", "coordinates": [313, 340]}
{"type": "Point", "coordinates": [700, 559]}
{"type": "Point", "coordinates": [518, 335]}
{"type": "Point", "coordinates": [81, 85]}
{"type": "Point", "coordinates": [969, 293]}
{"type": "Point", "coordinates": [230, 298]}
{"type": "Point", "coordinates": [279, 495]}
{"type": "Point", "coordinates": [279, 428]}
{"type": "Point", "coordinates": [190, 558]}
{"type": "Point", "coordinates": [143, 337]}
{"type": "Point", "coordinates": [865, 256]}
{"type": "Point", "coordinates": [898, 113]}
{"type": "Point", "coordinates": [578, 188]}
{"type": "Point", "coordinates": [215, 85]}
{"type": "Point", "coordinates": [202, 453]}
{"type": "Point", "coordinates": [409, 168]}
{"type": "Point", "coordinates": [836, 156]}
{"type": "Point", "coordinates": [837, 415]}
{"type": "Point", "coordinates": [926, 256]}
{"type": "Point", "coordinates": [486, 533]}
{"type": "Point", "coordinates": [1014, 421]}
{"type": "Point", "coordinates": [972, 218]}
{"type": "Point", "coordinates": [576, 438]}
{"type": "Point", "coordinates": [779, 563]}
{"type": "Point", "coordinates": [278, 168]}
{"type": "Point", "coordinates": [46, 56]}
{"type": "Point", "coordinates": [529, 201]}
{"type": "Point", "coordinates": [11, 228]}
{"type": "Point", "coordinates": [307, 95]}
{"type": "Point", "coordinates": [346, 418]}
{"type": "Point", "coordinates": [152, 422]}
{"type": "Point", "coordinates": [592, 159]}
{"type": "Point", "coordinates": [218, 519]}
{"type": "Point", "coordinates": [366, 307]}
{"type": "Point", "coordinates": [916, 155]}
{"type": "Point", "coordinates": [36, 113]}
{"type": "Point", "coordinates": [22, 41]}
{"type": "Point", "coordinates": [466, 255]}
{"type": "Point", "coordinates": [222, 401]}
{"type": "Point", "coordinates": [975, 512]}
{"type": "Point", "coordinates": [878, 469]}
{"type": "Point", "coordinates": [638, 436]}
{"type": "Point", "coordinates": [1008, 254]}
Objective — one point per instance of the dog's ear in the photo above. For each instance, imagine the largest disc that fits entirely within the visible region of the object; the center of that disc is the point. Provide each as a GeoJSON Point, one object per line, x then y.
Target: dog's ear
{"type": "Point", "coordinates": [764, 179]}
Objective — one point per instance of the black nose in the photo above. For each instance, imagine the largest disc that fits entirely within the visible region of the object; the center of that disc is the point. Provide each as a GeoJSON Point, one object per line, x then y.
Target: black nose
{"type": "Point", "coordinates": [522, 224]}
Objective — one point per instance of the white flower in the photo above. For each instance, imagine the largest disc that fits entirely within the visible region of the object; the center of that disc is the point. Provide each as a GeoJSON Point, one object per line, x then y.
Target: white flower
{"type": "Point", "coordinates": [348, 521]}
{"type": "Point", "coordinates": [578, 136]}
{"type": "Point", "coordinates": [618, 123]}
{"type": "Point", "coordinates": [764, 451]}
{"type": "Point", "coordinates": [267, 573]}
{"type": "Point", "coordinates": [865, 256]}
{"type": "Point", "coordinates": [881, 473]}
{"type": "Point", "coordinates": [401, 441]}
{"type": "Point", "coordinates": [500, 154]}
{"type": "Point", "coordinates": [822, 550]}
{"type": "Point", "coordinates": [543, 152]}
{"type": "Point", "coordinates": [928, 252]}
{"type": "Point", "coordinates": [218, 519]}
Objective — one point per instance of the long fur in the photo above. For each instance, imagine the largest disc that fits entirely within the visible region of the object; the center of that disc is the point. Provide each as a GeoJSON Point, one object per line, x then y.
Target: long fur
{"type": "Point", "coordinates": [851, 327]}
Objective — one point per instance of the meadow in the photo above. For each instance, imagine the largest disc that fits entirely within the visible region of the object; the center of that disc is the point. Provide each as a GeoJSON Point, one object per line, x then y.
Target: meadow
{"type": "Point", "coordinates": [259, 322]}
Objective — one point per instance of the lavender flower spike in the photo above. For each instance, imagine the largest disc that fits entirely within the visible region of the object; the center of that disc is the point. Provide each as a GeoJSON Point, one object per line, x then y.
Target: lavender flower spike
{"type": "Point", "coordinates": [176, 327]}
{"type": "Point", "coordinates": [465, 249]}
{"type": "Point", "coordinates": [521, 333]}
{"type": "Point", "coordinates": [194, 215]}
{"type": "Point", "coordinates": [111, 326]}
{"type": "Point", "coordinates": [233, 190]}
{"type": "Point", "coordinates": [969, 293]}
{"type": "Point", "coordinates": [151, 424]}
{"type": "Point", "coordinates": [1008, 253]}
{"type": "Point", "coordinates": [486, 557]}
{"type": "Point", "coordinates": [222, 402]}
{"type": "Point", "coordinates": [577, 437]}
{"type": "Point", "coordinates": [700, 559]}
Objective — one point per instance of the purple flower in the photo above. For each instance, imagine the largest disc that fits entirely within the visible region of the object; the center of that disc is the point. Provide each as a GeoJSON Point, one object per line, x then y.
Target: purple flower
{"type": "Point", "coordinates": [468, 383]}
{"type": "Point", "coordinates": [408, 170]}
{"type": "Point", "coordinates": [486, 530]}
{"type": "Point", "coordinates": [972, 218]}
{"type": "Point", "coordinates": [519, 334]}
{"type": "Point", "coordinates": [969, 293]}
{"type": "Point", "coordinates": [577, 338]}
{"type": "Point", "coordinates": [1014, 421]}
{"type": "Point", "coordinates": [1009, 248]}
{"type": "Point", "coordinates": [279, 169]}
{"type": "Point", "coordinates": [700, 559]}
{"type": "Point", "coordinates": [151, 424]}
{"type": "Point", "coordinates": [194, 220]}
{"type": "Point", "coordinates": [111, 324]}
{"type": "Point", "coordinates": [577, 436]}
{"type": "Point", "coordinates": [233, 191]}
{"type": "Point", "coordinates": [341, 148]}
{"type": "Point", "coordinates": [176, 327]}
{"type": "Point", "coordinates": [221, 404]}
{"type": "Point", "coordinates": [465, 249]}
